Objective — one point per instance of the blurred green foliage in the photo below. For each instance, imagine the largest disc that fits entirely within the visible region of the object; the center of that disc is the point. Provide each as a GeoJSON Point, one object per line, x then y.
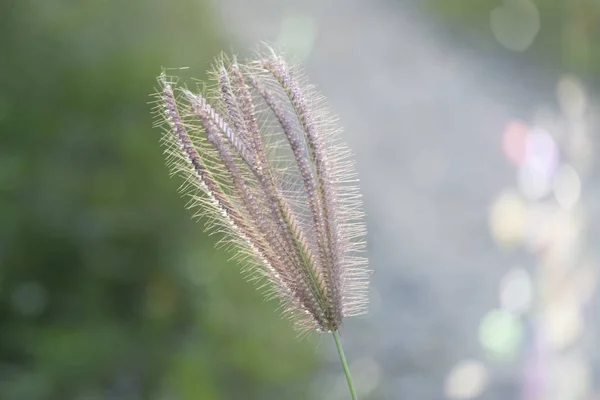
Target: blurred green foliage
{"type": "Point", "coordinates": [107, 288]}
{"type": "Point", "coordinates": [569, 36]}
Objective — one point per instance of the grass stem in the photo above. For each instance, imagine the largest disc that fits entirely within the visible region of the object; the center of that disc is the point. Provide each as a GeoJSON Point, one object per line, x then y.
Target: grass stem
{"type": "Point", "coordinates": [338, 344]}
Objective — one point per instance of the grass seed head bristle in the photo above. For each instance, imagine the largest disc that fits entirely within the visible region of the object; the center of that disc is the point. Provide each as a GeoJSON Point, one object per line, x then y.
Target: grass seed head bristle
{"type": "Point", "coordinates": [264, 163]}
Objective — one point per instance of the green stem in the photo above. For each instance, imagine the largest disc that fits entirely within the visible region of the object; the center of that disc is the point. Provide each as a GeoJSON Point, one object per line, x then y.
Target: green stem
{"type": "Point", "coordinates": [340, 350]}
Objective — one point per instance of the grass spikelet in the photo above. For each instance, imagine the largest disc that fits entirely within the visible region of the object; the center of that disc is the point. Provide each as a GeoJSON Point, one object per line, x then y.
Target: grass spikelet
{"type": "Point", "coordinates": [263, 161]}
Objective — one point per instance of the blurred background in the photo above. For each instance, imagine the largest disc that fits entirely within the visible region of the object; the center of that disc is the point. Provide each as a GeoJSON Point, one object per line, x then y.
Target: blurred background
{"type": "Point", "coordinates": [475, 128]}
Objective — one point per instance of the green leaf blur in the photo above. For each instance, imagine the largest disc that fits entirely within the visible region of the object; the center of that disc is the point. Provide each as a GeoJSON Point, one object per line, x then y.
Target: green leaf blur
{"type": "Point", "coordinates": [108, 289]}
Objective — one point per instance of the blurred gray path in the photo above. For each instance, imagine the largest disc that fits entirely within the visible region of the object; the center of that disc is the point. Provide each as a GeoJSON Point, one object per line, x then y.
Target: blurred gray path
{"type": "Point", "coordinates": [424, 117]}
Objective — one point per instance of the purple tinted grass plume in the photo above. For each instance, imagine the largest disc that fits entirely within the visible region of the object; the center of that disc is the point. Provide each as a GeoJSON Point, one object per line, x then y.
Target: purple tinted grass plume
{"type": "Point", "coordinates": [263, 161]}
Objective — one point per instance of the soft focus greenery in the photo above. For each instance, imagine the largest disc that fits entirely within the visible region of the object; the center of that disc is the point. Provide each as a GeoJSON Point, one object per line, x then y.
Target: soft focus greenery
{"type": "Point", "coordinates": [568, 39]}
{"type": "Point", "coordinates": [107, 288]}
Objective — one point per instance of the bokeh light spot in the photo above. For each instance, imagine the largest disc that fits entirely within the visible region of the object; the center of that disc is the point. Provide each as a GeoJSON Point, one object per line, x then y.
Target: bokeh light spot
{"type": "Point", "coordinates": [297, 35]}
{"type": "Point", "coordinates": [533, 183]}
{"type": "Point", "coordinates": [573, 377]}
{"type": "Point", "coordinates": [541, 160]}
{"type": "Point", "coordinates": [366, 373]}
{"type": "Point", "coordinates": [500, 334]}
{"type": "Point", "coordinates": [513, 141]}
{"type": "Point", "coordinates": [516, 291]}
{"type": "Point", "coordinates": [567, 187]}
{"type": "Point", "coordinates": [467, 380]}
{"type": "Point", "coordinates": [539, 220]}
{"type": "Point", "coordinates": [541, 150]}
{"type": "Point", "coordinates": [515, 24]}
{"type": "Point", "coordinates": [507, 219]}
{"type": "Point", "coordinates": [563, 323]}
{"type": "Point", "coordinates": [571, 96]}
{"type": "Point", "coordinates": [562, 240]}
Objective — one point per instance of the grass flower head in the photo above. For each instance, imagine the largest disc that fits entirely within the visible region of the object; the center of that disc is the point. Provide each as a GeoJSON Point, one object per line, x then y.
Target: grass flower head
{"type": "Point", "coordinates": [263, 161]}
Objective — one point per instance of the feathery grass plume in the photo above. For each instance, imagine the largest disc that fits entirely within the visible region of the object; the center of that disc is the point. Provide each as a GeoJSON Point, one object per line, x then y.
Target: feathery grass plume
{"type": "Point", "coordinates": [264, 163]}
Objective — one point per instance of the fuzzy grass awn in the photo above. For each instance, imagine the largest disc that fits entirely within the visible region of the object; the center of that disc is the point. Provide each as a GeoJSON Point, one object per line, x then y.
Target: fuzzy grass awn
{"type": "Point", "coordinates": [263, 161]}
